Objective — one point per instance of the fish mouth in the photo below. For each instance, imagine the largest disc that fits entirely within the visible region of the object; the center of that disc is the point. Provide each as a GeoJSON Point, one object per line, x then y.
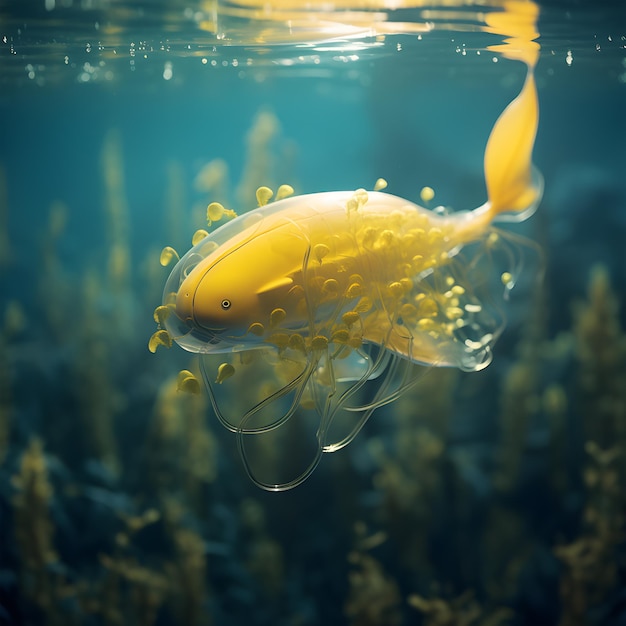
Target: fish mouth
{"type": "Point", "coordinates": [192, 337]}
{"type": "Point", "coordinates": [200, 341]}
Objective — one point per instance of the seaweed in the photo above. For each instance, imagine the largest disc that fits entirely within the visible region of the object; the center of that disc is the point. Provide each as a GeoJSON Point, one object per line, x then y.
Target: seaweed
{"type": "Point", "coordinates": [593, 561]}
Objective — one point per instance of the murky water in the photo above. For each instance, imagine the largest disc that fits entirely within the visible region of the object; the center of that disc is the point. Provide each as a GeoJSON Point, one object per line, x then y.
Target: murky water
{"type": "Point", "coordinates": [496, 496]}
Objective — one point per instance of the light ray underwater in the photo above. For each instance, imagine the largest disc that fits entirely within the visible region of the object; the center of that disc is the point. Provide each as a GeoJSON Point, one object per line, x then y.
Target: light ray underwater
{"type": "Point", "coordinates": [325, 307]}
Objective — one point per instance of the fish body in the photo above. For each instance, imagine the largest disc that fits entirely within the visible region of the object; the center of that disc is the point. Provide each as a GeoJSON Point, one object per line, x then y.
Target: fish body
{"type": "Point", "coordinates": [303, 263]}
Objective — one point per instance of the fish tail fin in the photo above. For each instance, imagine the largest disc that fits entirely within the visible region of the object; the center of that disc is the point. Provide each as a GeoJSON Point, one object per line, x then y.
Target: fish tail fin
{"type": "Point", "coordinates": [514, 186]}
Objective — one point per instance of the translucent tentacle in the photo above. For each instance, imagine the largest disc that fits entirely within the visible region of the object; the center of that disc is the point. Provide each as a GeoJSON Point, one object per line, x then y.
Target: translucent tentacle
{"type": "Point", "coordinates": [298, 383]}
{"type": "Point", "coordinates": [274, 486]}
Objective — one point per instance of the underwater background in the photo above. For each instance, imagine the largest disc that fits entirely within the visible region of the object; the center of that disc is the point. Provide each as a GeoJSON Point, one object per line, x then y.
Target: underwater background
{"type": "Point", "coordinates": [485, 498]}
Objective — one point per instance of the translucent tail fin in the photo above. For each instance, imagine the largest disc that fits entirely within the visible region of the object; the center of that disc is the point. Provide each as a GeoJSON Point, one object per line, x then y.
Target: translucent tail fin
{"type": "Point", "coordinates": [513, 185]}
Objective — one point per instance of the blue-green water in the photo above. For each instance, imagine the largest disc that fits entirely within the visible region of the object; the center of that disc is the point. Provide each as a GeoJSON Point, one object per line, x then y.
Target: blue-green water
{"type": "Point", "coordinates": [122, 501]}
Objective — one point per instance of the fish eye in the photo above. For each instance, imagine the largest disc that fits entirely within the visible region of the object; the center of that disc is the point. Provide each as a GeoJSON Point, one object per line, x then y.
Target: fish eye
{"type": "Point", "coordinates": [225, 304]}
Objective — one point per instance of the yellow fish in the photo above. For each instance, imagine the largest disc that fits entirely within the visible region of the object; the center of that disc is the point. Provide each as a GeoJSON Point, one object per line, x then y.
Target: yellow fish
{"type": "Point", "coordinates": [324, 304]}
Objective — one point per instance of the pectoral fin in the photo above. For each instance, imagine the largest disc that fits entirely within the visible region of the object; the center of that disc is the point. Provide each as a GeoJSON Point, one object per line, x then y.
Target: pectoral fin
{"type": "Point", "coordinates": [276, 286]}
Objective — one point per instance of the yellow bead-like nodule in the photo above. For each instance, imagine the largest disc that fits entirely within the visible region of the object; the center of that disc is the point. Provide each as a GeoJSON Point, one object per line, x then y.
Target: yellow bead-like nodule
{"type": "Point", "coordinates": [263, 195]}
{"type": "Point", "coordinates": [224, 371]}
